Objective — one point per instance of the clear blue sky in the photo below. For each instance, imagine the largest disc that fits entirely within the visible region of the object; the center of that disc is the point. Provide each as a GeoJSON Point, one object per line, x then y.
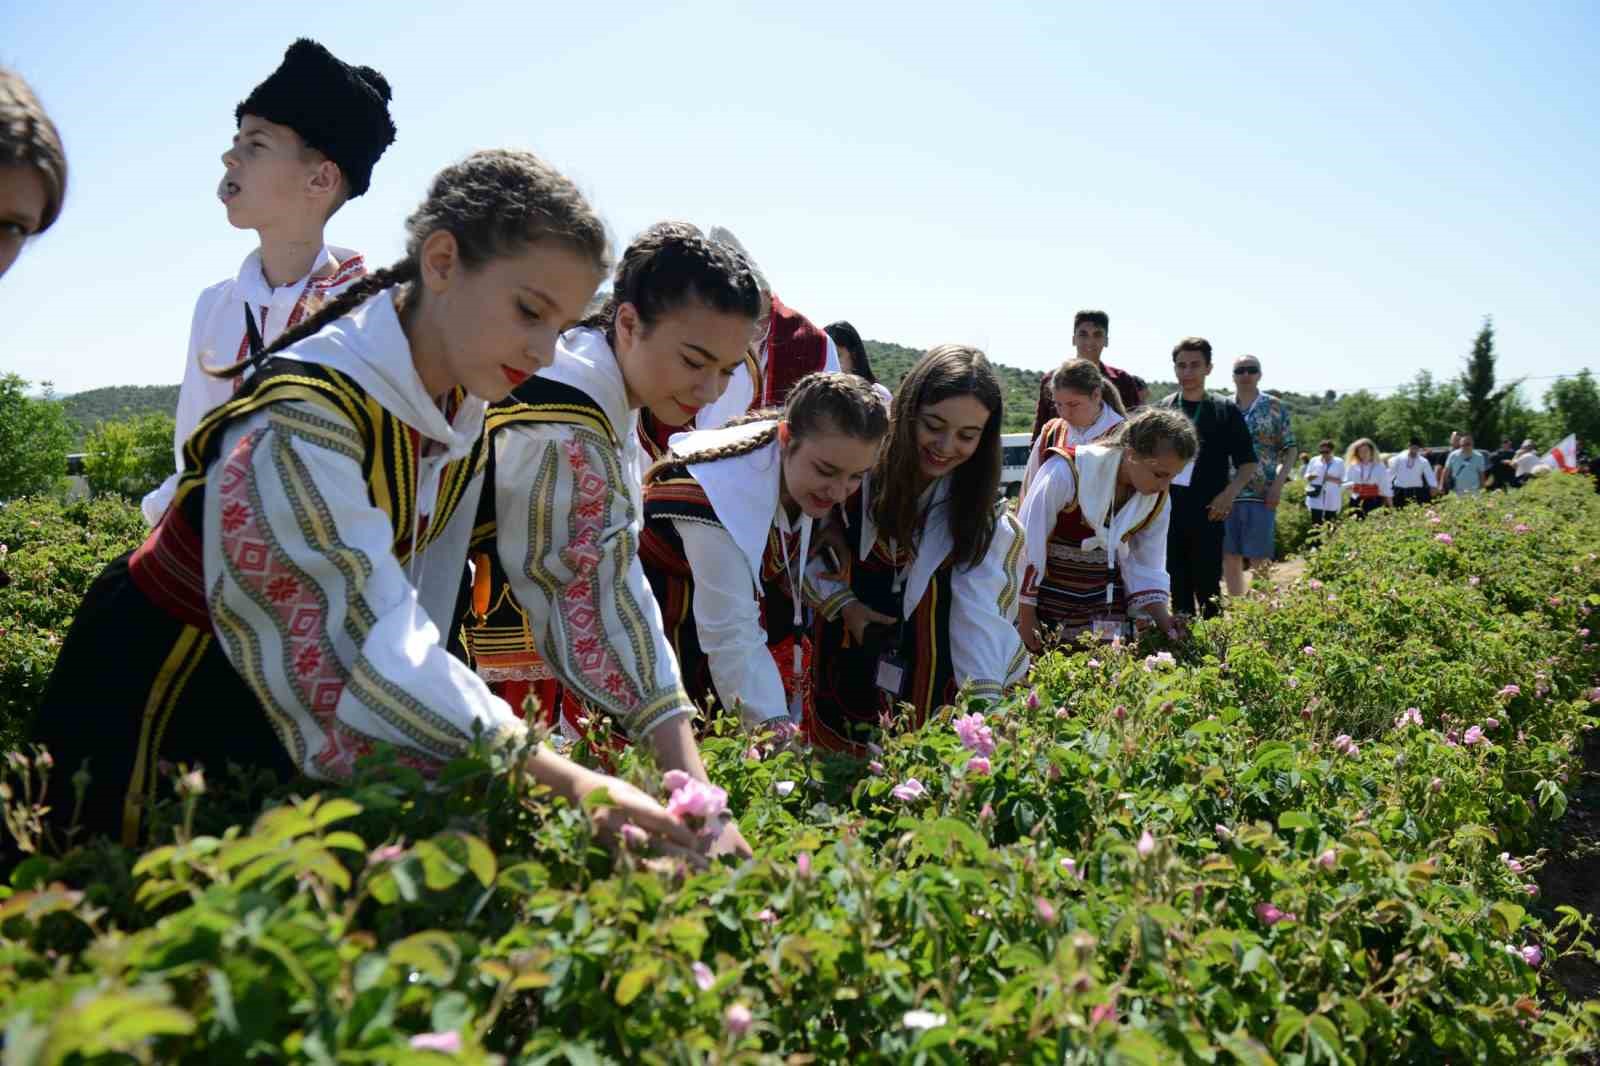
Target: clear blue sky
{"type": "Point", "coordinates": [1343, 191]}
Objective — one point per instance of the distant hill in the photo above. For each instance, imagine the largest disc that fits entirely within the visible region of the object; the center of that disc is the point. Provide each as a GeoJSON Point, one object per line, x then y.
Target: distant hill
{"type": "Point", "coordinates": [85, 410]}
{"type": "Point", "coordinates": [891, 362]}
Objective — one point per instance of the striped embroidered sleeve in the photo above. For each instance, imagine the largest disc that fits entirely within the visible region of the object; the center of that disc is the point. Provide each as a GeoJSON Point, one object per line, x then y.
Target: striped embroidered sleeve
{"type": "Point", "coordinates": [1144, 564]}
{"type": "Point", "coordinates": [568, 537]}
{"type": "Point", "coordinates": [312, 608]}
{"type": "Point", "coordinates": [985, 648]}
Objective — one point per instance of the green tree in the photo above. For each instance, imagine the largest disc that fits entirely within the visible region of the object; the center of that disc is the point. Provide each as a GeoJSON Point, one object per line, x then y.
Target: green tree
{"type": "Point", "coordinates": [34, 438]}
{"type": "Point", "coordinates": [1355, 415]}
{"type": "Point", "coordinates": [129, 457]}
{"type": "Point", "coordinates": [1574, 407]}
{"type": "Point", "coordinates": [1429, 408]}
{"type": "Point", "coordinates": [1483, 401]}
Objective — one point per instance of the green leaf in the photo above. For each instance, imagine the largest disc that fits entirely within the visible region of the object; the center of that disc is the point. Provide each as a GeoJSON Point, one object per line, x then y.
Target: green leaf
{"type": "Point", "coordinates": [1138, 1046]}
{"type": "Point", "coordinates": [1291, 1022]}
{"type": "Point", "coordinates": [1505, 918]}
{"type": "Point", "coordinates": [1296, 820]}
{"type": "Point", "coordinates": [634, 981]}
{"type": "Point", "coordinates": [1324, 1034]}
{"type": "Point", "coordinates": [1205, 727]}
{"type": "Point", "coordinates": [433, 954]}
{"type": "Point", "coordinates": [334, 810]}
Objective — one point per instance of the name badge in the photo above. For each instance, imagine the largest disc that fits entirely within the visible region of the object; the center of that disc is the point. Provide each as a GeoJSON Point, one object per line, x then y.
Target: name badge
{"type": "Point", "coordinates": [1106, 629]}
{"type": "Point", "coordinates": [892, 675]}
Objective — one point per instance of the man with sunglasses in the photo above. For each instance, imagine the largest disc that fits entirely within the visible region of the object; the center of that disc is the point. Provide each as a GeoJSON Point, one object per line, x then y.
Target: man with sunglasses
{"type": "Point", "coordinates": [1251, 528]}
{"type": "Point", "coordinates": [1324, 476]}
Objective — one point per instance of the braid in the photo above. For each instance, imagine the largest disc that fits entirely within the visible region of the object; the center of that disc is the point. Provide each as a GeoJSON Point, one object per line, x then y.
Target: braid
{"type": "Point", "coordinates": [722, 451]}
{"type": "Point", "coordinates": [668, 265]}
{"type": "Point", "coordinates": [401, 273]}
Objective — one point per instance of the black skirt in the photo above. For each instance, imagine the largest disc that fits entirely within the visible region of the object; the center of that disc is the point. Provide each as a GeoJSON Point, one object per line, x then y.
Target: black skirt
{"type": "Point", "coordinates": [135, 692]}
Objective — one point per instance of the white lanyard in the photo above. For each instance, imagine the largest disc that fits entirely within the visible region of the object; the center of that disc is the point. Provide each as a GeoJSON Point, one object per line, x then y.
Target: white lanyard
{"type": "Point", "coordinates": [797, 581]}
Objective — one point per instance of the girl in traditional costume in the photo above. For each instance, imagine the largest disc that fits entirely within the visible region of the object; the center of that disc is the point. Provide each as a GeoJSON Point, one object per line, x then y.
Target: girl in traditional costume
{"type": "Point", "coordinates": [927, 598]}
{"type": "Point", "coordinates": [1089, 408]}
{"type": "Point", "coordinates": [728, 532]}
{"type": "Point", "coordinates": [281, 614]}
{"type": "Point", "coordinates": [1095, 519]}
{"type": "Point", "coordinates": [560, 607]}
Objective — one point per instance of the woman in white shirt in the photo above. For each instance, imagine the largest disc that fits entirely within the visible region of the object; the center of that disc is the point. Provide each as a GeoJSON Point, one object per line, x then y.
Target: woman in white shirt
{"type": "Point", "coordinates": [1324, 476]}
{"type": "Point", "coordinates": [1367, 477]}
{"type": "Point", "coordinates": [728, 531]}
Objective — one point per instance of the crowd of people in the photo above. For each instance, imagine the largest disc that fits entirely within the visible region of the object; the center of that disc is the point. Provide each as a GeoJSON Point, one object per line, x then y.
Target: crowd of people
{"type": "Point", "coordinates": [445, 499]}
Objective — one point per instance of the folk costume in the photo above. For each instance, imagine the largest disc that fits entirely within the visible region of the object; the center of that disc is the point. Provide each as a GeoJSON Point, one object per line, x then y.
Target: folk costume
{"type": "Point", "coordinates": [558, 593]}
{"type": "Point", "coordinates": [1058, 432]}
{"type": "Point", "coordinates": [1369, 485]}
{"type": "Point", "coordinates": [957, 623]}
{"type": "Point", "coordinates": [792, 349]}
{"type": "Point", "coordinates": [728, 567]}
{"type": "Point", "coordinates": [1091, 563]}
{"type": "Point", "coordinates": [1128, 387]}
{"type": "Point", "coordinates": [1411, 478]}
{"type": "Point", "coordinates": [343, 112]}
{"type": "Point", "coordinates": [281, 614]}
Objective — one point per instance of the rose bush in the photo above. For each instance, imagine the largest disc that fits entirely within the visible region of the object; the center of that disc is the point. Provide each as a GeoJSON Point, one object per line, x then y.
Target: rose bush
{"type": "Point", "coordinates": [1278, 847]}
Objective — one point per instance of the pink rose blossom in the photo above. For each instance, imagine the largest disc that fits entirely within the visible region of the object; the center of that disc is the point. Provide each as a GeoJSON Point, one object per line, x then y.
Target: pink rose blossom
{"type": "Point", "coordinates": [449, 1043]}
{"type": "Point", "coordinates": [1523, 527]}
{"type": "Point", "coordinates": [977, 766]}
{"type": "Point", "coordinates": [1436, 785]}
{"type": "Point", "coordinates": [1120, 713]}
{"type": "Point", "coordinates": [673, 780]}
{"type": "Point", "coordinates": [783, 788]}
{"type": "Point", "coordinates": [1327, 859]}
{"type": "Point", "coordinates": [1583, 633]}
{"type": "Point", "coordinates": [1444, 538]}
{"type": "Point", "coordinates": [1409, 716]}
{"type": "Point", "coordinates": [1222, 831]}
{"type": "Point", "coordinates": [802, 865]}
{"type": "Point", "coordinates": [703, 977]}
{"type": "Point", "coordinates": [975, 736]}
{"type": "Point", "coordinates": [1046, 910]}
{"type": "Point", "coordinates": [387, 853]}
{"type": "Point", "coordinates": [767, 916]}
{"type": "Point", "coordinates": [1103, 1012]}
{"type": "Point", "coordinates": [1070, 867]}
{"type": "Point", "coordinates": [696, 799]}
{"type": "Point", "coordinates": [1093, 664]}
{"type": "Point", "coordinates": [1146, 845]}
{"type": "Point", "coordinates": [737, 1019]}
{"type": "Point", "coordinates": [753, 753]}
{"type": "Point", "coordinates": [1269, 915]}
{"type": "Point", "coordinates": [1511, 864]}
{"type": "Point", "coordinates": [1491, 722]}
{"type": "Point", "coordinates": [1531, 889]}
{"type": "Point", "coordinates": [908, 790]}
{"type": "Point", "coordinates": [1159, 660]}
{"type": "Point", "coordinates": [634, 837]}
{"type": "Point", "coordinates": [1293, 682]}
{"type": "Point", "coordinates": [1343, 743]}
{"type": "Point", "coordinates": [1533, 956]}
{"type": "Point", "coordinates": [1474, 580]}
{"type": "Point", "coordinates": [1473, 735]}
{"type": "Point", "coordinates": [1308, 650]}
{"type": "Point", "coordinates": [875, 768]}
{"type": "Point", "coordinates": [1315, 584]}
{"type": "Point", "coordinates": [1063, 711]}
{"type": "Point", "coordinates": [986, 813]}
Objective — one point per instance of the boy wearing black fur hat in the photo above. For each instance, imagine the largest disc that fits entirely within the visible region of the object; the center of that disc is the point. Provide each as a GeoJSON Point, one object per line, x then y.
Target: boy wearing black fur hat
{"type": "Point", "coordinates": [308, 138]}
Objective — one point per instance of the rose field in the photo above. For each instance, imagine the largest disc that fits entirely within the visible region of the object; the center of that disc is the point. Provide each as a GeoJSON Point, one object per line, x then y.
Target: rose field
{"type": "Point", "coordinates": [1325, 829]}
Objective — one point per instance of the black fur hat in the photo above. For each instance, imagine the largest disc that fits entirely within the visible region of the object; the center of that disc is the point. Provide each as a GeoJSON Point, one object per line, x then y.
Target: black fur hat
{"type": "Point", "coordinates": [340, 110]}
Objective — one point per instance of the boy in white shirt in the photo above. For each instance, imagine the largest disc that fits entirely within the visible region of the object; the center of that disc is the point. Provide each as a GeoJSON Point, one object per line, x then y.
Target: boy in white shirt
{"type": "Point", "coordinates": [308, 138]}
{"type": "Point", "coordinates": [1412, 475]}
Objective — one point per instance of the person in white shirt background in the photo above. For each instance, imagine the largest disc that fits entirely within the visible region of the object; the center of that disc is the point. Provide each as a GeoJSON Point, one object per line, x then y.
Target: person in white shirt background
{"type": "Point", "coordinates": [307, 140]}
{"type": "Point", "coordinates": [1324, 475]}
{"type": "Point", "coordinates": [1411, 476]}
{"type": "Point", "coordinates": [1366, 477]}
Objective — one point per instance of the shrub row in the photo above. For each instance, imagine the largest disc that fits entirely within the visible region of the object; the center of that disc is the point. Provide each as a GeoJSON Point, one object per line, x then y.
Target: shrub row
{"type": "Point", "coordinates": [1310, 835]}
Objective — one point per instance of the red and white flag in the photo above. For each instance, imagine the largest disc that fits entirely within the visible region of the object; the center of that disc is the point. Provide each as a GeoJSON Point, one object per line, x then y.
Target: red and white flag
{"type": "Point", "coordinates": [1564, 456]}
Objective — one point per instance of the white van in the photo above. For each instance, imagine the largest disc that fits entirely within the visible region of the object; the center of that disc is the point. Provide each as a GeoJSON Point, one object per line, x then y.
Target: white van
{"type": "Point", "coordinates": [1014, 450]}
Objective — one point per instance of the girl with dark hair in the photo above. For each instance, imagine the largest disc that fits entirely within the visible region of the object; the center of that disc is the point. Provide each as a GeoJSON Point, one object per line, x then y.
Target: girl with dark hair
{"type": "Point", "coordinates": [928, 595]}
{"type": "Point", "coordinates": [853, 357]}
{"type": "Point", "coordinates": [1089, 411]}
{"type": "Point", "coordinates": [728, 531]}
{"type": "Point", "coordinates": [1095, 518]}
{"type": "Point", "coordinates": [33, 168]}
{"type": "Point", "coordinates": [560, 608]}
{"type": "Point", "coordinates": [281, 615]}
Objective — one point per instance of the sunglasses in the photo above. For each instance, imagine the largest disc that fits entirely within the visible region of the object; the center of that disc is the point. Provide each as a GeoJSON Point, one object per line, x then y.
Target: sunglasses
{"type": "Point", "coordinates": [1241, 371]}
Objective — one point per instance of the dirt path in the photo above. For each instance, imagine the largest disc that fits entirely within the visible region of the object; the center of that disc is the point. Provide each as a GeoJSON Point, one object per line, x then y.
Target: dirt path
{"type": "Point", "coordinates": [1572, 875]}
